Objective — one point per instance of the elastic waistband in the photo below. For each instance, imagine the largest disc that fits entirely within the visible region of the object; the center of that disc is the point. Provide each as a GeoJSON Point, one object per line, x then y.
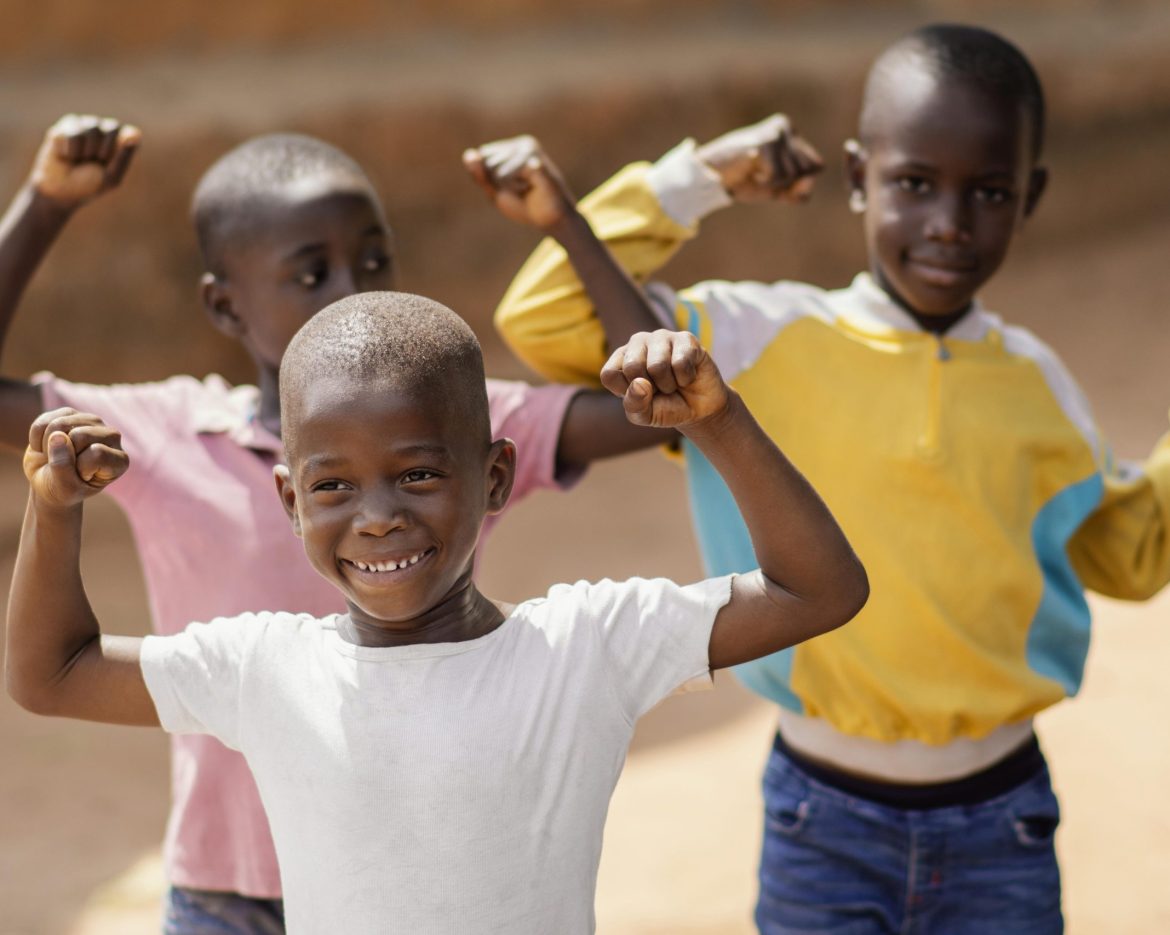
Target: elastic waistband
{"type": "Point", "coordinates": [997, 779]}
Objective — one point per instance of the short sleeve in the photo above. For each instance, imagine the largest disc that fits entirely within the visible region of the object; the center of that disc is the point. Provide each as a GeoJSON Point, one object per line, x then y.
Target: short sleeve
{"type": "Point", "coordinates": [532, 416]}
{"type": "Point", "coordinates": [655, 633]}
{"type": "Point", "coordinates": [194, 677]}
{"type": "Point", "coordinates": [146, 414]}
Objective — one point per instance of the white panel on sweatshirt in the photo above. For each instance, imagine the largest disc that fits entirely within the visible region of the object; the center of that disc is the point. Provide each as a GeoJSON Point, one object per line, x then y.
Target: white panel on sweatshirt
{"type": "Point", "coordinates": [1022, 343]}
{"type": "Point", "coordinates": [747, 316]}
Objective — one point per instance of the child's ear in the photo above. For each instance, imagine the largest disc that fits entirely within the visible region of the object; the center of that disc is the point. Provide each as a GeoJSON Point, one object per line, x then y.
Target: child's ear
{"type": "Point", "coordinates": [1037, 182]}
{"type": "Point", "coordinates": [216, 297]}
{"type": "Point", "coordinates": [288, 495]}
{"type": "Point", "coordinates": [855, 160]}
{"type": "Point", "coordinates": [501, 472]}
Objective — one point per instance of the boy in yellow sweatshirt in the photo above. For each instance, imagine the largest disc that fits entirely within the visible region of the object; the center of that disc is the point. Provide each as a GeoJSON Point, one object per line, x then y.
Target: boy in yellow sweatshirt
{"type": "Point", "coordinates": [906, 790]}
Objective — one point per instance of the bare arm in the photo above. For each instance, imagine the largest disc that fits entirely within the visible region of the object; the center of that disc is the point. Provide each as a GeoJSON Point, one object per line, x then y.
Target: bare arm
{"type": "Point", "coordinates": [576, 298]}
{"type": "Point", "coordinates": [528, 188]}
{"type": "Point", "coordinates": [809, 580]}
{"type": "Point", "coordinates": [56, 660]}
{"type": "Point", "coordinates": [81, 157]}
{"type": "Point", "coordinates": [596, 427]}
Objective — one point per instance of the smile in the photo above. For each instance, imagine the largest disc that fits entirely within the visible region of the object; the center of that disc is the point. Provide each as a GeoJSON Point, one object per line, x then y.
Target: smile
{"type": "Point", "coordinates": [389, 565]}
{"type": "Point", "coordinates": [942, 274]}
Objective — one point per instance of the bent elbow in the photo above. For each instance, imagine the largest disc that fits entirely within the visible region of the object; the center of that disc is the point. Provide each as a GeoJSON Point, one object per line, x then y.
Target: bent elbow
{"type": "Point", "coordinates": [859, 594]}
{"type": "Point", "coordinates": [26, 695]}
{"type": "Point", "coordinates": [851, 595]}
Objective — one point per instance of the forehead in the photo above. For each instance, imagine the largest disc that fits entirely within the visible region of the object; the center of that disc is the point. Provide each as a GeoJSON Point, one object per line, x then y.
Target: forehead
{"type": "Point", "coordinates": [916, 116]}
{"type": "Point", "coordinates": [316, 209]}
{"type": "Point", "coordinates": [351, 419]}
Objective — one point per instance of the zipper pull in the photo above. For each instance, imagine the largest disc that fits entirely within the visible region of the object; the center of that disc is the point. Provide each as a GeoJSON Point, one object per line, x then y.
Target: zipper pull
{"type": "Point", "coordinates": [943, 353]}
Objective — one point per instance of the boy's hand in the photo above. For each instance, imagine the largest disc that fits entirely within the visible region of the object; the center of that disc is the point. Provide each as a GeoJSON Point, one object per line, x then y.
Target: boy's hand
{"type": "Point", "coordinates": [71, 456]}
{"type": "Point", "coordinates": [666, 380]}
{"type": "Point", "coordinates": [522, 182]}
{"type": "Point", "coordinates": [81, 157]}
{"type": "Point", "coordinates": [766, 161]}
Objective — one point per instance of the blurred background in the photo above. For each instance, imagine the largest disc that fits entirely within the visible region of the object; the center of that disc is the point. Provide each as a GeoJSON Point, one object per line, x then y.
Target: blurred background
{"type": "Point", "coordinates": [405, 87]}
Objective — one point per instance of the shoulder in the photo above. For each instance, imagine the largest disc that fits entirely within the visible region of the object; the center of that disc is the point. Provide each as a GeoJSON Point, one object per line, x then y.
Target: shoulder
{"type": "Point", "coordinates": [645, 596]}
{"type": "Point", "coordinates": [1021, 343]}
{"type": "Point", "coordinates": [508, 398]}
{"type": "Point", "coordinates": [737, 321]}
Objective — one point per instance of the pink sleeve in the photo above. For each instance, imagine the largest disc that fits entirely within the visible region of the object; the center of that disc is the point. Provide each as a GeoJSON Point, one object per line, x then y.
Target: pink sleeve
{"type": "Point", "coordinates": [147, 415]}
{"type": "Point", "coordinates": [532, 416]}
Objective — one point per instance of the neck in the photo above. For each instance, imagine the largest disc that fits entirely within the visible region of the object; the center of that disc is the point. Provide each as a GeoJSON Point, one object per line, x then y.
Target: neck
{"type": "Point", "coordinates": [268, 381]}
{"type": "Point", "coordinates": [934, 324]}
{"type": "Point", "coordinates": [464, 614]}
{"type": "Point", "coordinates": [937, 324]}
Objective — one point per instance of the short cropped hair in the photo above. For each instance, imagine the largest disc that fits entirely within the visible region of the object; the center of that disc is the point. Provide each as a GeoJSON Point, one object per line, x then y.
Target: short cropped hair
{"type": "Point", "coordinates": [968, 54]}
{"type": "Point", "coordinates": [413, 343]}
{"type": "Point", "coordinates": [254, 170]}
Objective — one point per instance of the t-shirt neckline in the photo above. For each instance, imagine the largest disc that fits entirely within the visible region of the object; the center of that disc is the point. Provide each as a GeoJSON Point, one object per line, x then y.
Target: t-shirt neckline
{"type": "Point", "coordinates": [411, 651]}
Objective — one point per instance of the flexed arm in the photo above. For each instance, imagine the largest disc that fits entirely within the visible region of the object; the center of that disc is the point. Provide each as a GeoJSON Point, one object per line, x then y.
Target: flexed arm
{"type": "Point", "coordinates": [56, 661]}
{"type": "Point", "coordinates": [566, 307]}
{"type": "Point", "coordinates": [81, 158]}
{"type": "Point", "coordinates": [809, 580]}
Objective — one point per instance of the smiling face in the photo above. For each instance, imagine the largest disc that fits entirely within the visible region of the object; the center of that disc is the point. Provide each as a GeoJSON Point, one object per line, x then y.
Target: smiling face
{"type": "Point", "coordinates": [388, 489]}
{"type": "Point", "coordinates": [314, 241]}
{"type": "Point", "coordinates": [946, 175]}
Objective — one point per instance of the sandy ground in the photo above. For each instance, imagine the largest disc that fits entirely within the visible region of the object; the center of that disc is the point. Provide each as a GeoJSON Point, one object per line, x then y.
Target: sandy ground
{"type": "Point", "coordinates": [82, 806]}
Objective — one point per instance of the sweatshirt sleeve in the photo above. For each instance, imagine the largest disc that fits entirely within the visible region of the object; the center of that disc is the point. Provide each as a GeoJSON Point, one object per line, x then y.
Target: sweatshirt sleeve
{"type": "Point", "coordinates": [1123, 549]}
{"type": "Point", "coordinates": [644, 214]}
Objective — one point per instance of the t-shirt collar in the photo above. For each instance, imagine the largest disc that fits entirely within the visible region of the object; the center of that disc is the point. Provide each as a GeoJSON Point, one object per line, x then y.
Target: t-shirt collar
{"type": "Point", "coordinates": [235, 414]}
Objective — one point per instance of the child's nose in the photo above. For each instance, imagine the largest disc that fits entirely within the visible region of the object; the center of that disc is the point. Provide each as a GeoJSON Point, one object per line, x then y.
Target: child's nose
{"type": "Point", "coordinates": [344, 284]}
{"type": "Point", "coordinates": [950, 220]}
{"type": "Point", "coordinates": [380, 514]}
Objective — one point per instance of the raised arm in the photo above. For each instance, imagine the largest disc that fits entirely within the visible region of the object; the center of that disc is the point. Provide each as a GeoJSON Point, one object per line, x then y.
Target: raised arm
{"type": "Point", "coordinates": [81, 157]}
{"type": "Point", "coordinates": [528, 188]}
{"type": "Point", "coordinates": [809, 580]}
{"type": "Point", "coordinates": [572, 299]}
{"type": "Point", "coordinates": [56, 660]}
{"type": "Point", "coordinates": [1123, 549]}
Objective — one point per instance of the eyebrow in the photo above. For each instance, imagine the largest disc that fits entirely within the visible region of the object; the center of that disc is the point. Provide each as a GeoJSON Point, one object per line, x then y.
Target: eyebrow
{"type": "Point", "coordinates": [326, 461]}
{"type": "Point", "coordinates": [310, 248]}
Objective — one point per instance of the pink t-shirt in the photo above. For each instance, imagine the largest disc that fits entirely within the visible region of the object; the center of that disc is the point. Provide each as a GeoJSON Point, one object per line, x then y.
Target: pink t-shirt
{"type": "Point", "coordinates": [214, 541]}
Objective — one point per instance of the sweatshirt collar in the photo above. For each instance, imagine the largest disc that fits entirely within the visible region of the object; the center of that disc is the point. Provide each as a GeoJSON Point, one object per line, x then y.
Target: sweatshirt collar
{"type": "Point", "coordinates": [231, 411]}
{"type": "Point", "coordinates": [869, 309]}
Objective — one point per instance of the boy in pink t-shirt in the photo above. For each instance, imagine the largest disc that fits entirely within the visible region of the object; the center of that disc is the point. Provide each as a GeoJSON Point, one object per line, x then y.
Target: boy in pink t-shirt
{"type": "Point", "coordinates": [287, 224]}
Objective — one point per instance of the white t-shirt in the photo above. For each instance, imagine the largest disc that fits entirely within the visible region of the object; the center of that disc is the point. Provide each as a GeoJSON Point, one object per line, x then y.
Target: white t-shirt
{"type": "Point", "coordinates": [440, 788]}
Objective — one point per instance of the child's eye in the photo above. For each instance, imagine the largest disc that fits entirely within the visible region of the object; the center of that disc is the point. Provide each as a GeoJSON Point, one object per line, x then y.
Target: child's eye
{"type": "Point", "coordinates": [993, 195]}
{"type": "Point", "coordinates": [329, 486]}
{"type": "Point", "coordinates": [375, 263]}
{"type": "Point", "coordinates": [914, 184]}
{"type": "Point", "coordinates": [418, 476]}
{"type": "Point", "coordinates": [314, 277]}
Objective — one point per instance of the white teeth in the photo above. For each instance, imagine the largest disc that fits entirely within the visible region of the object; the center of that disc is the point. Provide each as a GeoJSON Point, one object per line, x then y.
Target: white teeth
{"type": "Point", "coordinates": [389, 566]}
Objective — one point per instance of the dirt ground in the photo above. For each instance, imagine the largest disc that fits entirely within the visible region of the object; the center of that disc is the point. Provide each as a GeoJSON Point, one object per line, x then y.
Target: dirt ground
{"type": "Point", "coordinates": [82, 806]}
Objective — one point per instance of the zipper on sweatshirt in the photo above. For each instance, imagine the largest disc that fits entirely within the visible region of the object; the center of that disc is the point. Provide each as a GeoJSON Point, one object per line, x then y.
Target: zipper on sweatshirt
{"type": "Point", "coordinates": [928, 437]}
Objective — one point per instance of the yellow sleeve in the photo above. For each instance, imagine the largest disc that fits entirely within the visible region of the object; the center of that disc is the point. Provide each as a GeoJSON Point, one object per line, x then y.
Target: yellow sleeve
{"type": "Point", "coordinates": [546, 317]}
{"type": "Point", "coordinates": [1123, 549]}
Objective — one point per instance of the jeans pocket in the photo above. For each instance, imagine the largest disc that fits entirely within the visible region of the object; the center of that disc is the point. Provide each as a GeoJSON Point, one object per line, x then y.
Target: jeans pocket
{"type": "Point", "coordinates": [787, 805]}
{"type": "Point", "coordinates": [1036, 816]}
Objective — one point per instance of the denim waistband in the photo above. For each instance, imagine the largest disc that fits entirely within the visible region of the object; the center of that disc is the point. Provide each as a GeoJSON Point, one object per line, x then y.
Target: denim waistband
{"type": "Point", "coordinates": [997, 779]}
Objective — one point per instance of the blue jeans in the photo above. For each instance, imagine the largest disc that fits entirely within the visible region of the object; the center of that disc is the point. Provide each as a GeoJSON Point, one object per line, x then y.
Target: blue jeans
{"type": "Point", "coordinates": [204, 912]}
{"type": "Point", "coordinates": [835, 864]}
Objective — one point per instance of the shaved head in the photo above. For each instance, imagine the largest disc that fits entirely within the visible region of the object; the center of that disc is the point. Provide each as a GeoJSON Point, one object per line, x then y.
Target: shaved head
{"type": "Point", "coordinates": [394, 339]}
{"type": "Point", "coordinates": [976, 58]}
{"type": "Point", "coordinates": [228, 200]}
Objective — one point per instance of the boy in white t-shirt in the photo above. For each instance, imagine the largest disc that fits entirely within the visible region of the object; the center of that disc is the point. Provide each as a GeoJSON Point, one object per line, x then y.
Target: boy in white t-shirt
{"type": "Point", "coordinates": [431, 761]}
